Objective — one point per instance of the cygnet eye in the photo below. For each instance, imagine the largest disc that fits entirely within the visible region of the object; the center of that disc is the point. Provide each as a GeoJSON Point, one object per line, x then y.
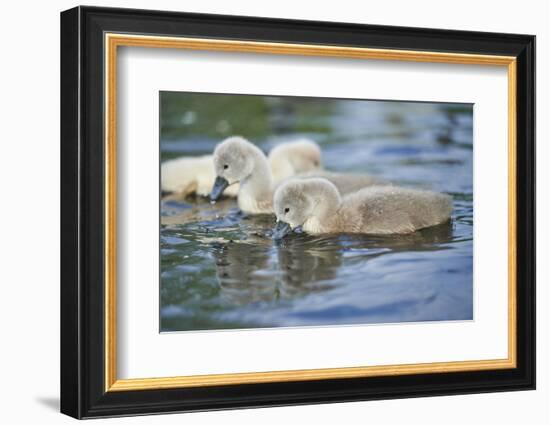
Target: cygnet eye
{"type": "Point", "coordinates": [287, 210]}
{"type": "Point", "coordinates": [225, 167]}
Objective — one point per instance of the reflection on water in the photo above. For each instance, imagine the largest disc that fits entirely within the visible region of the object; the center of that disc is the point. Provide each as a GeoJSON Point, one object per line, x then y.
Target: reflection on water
{"type": "Point", "coordinates": [220, 268]}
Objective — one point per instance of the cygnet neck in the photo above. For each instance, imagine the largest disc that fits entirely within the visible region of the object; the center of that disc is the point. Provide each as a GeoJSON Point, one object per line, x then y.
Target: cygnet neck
{"type": "Point", "coordinates": [280, 167]}
{"type": "Point", "coordinates": [258, 184]}
{"type": "Point", "coordinates": [326, 200]}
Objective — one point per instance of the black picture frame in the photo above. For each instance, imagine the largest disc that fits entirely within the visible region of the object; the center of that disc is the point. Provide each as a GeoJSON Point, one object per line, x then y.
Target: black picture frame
{"type": "Point", "coordinates": [83, 392]}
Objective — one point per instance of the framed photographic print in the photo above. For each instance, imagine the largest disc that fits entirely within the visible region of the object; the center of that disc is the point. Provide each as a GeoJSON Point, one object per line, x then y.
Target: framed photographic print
{"type": "Point", "coordinates": [261, 212]}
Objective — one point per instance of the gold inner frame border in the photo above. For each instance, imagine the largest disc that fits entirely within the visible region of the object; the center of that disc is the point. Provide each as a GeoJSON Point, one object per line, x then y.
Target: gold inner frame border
{"type": "Point", "coordinates": [113, 41]}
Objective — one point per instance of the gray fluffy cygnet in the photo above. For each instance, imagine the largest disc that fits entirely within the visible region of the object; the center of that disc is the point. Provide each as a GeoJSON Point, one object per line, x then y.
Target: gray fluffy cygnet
{"type": "Point", "coordinates": [316, 205]}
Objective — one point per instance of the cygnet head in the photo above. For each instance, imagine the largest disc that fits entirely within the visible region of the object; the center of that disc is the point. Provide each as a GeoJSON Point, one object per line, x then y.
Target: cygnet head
{"type": "Point", "coordinates": [233, 162]}
{"type": "Point", "coordinates": [307, 156]}
{"type": "Point", "coordinates": [291, 158]}
{"type": "Point", "coordinates": [298, 200]}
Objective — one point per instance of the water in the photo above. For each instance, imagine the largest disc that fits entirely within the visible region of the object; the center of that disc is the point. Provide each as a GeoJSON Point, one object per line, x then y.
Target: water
{"type": "Point", "coordinates": [221, 270]}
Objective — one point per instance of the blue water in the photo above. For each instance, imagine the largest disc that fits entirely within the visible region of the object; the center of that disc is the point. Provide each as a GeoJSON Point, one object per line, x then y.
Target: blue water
{"type": "Point", "coordinates": [220, 269]}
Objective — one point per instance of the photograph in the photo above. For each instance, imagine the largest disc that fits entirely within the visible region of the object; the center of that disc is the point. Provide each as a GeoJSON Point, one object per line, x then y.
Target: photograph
{"type": "Point", "coordinates": [289, 211]}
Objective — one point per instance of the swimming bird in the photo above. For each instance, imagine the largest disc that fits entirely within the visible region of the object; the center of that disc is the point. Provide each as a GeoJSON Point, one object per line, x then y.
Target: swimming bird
{"type": "Point", "coordinates": [195, 175]}
{"type": "Point", "coordinates": [316, 206]}
{"type": "Point", "coordinates": [236, 160]}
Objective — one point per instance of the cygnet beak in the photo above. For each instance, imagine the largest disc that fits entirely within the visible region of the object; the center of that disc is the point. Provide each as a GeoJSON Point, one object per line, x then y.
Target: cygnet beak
{"type": "Point", "coordinates": [281, 230]}
{"type": "Point", "coordinates": [219, 186]}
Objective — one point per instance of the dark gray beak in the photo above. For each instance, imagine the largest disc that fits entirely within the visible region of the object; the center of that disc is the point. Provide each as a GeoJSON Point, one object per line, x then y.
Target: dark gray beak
{"type": "Point", "coordinates": [219, 186]}
{"type": "Point", "coordinates": [281, 230]}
